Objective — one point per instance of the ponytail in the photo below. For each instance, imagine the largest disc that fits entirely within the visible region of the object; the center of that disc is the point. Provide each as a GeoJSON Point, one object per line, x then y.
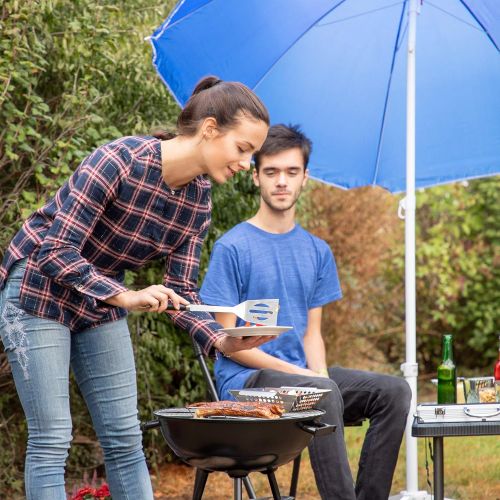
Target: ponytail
{"type": "Point", "coordinates": [162, 134]}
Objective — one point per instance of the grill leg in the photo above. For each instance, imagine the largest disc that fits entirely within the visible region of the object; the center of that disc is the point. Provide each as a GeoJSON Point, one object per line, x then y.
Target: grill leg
{"type": "Point", "coordinates": [274, 485]}
{"type": "Point", "coordinates": [238, 494]}
{"type": "Point", "coordinates": [199, 484]}
{"type": "Point", "coordinates": [249, 488]}
{"type": "Point", "coordinates": [295, 476]}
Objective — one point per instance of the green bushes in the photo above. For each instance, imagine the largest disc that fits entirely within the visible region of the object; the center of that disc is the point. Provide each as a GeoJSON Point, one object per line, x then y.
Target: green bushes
{"type": "Point", "coordinates": [458, 274]}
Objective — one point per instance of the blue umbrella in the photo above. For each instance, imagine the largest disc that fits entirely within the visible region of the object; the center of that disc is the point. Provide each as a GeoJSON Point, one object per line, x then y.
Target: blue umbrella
{"type": "Point", "coordinates": [345, 70]}
{"type": "Point", "coordinates": [339, 69]}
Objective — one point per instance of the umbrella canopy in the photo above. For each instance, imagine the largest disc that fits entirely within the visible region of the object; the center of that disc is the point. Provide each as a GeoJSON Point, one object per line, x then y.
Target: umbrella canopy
{"type": "Point", "coordinates": [338, 67]}
{"type": "Point", "coordinates": [345, 71]}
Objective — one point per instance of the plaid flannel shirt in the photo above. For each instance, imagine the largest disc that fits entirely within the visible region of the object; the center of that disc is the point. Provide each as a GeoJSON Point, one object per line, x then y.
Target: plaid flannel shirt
{"type": "Point", "coordinates": [114, 213]}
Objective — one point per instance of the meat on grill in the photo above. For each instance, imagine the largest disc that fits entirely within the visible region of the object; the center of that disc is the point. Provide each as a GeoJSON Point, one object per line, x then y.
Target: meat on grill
{"type": "Point", "coordinates": [237, 409]}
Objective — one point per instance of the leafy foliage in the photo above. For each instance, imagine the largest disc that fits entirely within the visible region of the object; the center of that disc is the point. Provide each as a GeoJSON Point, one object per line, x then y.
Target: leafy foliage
{"type": "Point", "coordinates": [458, 260]}
{"type": "Point", "coordinates": [458, 236]}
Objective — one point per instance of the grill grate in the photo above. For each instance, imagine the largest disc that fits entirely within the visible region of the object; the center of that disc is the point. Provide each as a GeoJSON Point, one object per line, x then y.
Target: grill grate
{"type": "Point", "coordinates": [184, 413]}
{"type": "Point", "coordinates": [175, 412]}
{"type": "Point", "coordinates": [291, 398]}
{"type": "Point", "coordinates": [303, 414]}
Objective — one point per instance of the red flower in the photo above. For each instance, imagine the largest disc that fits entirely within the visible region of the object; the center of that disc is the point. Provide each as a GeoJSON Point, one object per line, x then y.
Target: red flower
{"type": "Point", "coordinates": [103, 493]}
{"type": "Point", "coordinates": [84, 493]}
{"type": "Point", "coordinates": [88, 493]}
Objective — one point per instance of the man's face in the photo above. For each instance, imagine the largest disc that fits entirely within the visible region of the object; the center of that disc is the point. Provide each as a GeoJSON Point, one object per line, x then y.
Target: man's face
{"type": "Point", "coordinates": [281, 178]}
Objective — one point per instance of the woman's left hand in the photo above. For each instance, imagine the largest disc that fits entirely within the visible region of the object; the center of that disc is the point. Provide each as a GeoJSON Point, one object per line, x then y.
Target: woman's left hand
{"type": "Point", "coordinates": [228, 345]}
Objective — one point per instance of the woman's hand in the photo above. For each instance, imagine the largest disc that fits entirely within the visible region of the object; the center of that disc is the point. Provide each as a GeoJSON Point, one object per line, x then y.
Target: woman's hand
{"type": "Point", "coordinates": [227, 345]}
{"type": "Point", "coordinates": [154, 298]}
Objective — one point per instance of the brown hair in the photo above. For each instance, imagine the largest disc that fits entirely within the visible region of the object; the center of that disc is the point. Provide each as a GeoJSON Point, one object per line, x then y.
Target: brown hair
{"type": "Point", "coordinates": [281, 138]}
{"type": "Point", "coordinates": [221, 100]}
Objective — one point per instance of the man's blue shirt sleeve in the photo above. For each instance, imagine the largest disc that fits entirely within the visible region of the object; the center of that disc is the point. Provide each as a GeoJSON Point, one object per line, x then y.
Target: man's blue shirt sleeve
{"type": "Point", "coordinates": [328, 285]}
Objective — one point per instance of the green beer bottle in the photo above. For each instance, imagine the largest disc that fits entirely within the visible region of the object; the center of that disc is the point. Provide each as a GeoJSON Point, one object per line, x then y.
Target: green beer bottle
{"type": "Point", "coordinates": [447, 374]}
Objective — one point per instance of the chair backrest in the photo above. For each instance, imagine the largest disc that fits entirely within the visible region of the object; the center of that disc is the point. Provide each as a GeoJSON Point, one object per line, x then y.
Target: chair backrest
{"type": "Point", "coordinates": [198, 353]}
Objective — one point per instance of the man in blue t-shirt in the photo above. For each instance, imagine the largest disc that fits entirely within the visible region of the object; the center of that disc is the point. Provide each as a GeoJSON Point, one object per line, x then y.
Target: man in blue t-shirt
{"type": "Point", "coordinates": [270, 256]}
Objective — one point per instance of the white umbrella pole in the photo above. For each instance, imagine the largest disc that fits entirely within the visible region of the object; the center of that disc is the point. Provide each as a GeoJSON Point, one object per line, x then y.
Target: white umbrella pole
{"type": "Point", "coordinates": [410, 367]}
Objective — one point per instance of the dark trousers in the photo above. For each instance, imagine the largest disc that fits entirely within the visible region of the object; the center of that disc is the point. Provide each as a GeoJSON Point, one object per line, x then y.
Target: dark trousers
{"type": "Point", "coordinates": [355, 394]}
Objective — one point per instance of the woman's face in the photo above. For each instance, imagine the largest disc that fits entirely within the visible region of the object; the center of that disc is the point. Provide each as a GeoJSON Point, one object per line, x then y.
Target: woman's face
{"type": "Point", "coordinates": [226, 152]}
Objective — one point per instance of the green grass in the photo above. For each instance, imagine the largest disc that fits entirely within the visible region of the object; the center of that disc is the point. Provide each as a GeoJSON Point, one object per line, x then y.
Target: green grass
{"type": "Point", "coordinates": [471, 465]}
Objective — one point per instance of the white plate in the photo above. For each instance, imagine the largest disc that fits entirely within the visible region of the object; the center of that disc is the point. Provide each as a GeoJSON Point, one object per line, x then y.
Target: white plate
{"type": "Point", "coordinates": [255, 331]}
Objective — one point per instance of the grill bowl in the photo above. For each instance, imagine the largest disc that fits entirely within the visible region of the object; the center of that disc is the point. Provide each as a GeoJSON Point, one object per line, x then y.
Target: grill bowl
{"type": "Point", "coordinates": [238, 445]}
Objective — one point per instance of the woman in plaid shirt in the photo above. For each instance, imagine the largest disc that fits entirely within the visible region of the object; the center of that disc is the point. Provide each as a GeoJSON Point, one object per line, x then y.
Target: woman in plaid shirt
{"type": "Point", "coordinates": [63, 301]}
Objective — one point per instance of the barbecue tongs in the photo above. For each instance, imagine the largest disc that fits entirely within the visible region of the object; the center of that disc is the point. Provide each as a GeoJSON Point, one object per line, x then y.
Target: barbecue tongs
{"type": "Point", "coordinates": [262, 311]}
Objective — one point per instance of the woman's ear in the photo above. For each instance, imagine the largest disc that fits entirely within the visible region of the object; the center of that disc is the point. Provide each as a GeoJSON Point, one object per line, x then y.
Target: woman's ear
{"type": "Point", "coordinates": [209, 128]}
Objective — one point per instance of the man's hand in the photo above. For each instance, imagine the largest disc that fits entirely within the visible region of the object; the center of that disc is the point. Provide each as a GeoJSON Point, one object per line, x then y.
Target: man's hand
{"type": "Point", "coordinates": [310, 373]}
{"type": "Point", "coordinates": [227, 345]}
{"type": "Point", "coordinates": [154, 298]}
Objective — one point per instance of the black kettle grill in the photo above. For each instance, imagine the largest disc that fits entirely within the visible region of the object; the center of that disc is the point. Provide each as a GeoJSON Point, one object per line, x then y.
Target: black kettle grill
{"type": "Point", "coordinates": [237, 445]}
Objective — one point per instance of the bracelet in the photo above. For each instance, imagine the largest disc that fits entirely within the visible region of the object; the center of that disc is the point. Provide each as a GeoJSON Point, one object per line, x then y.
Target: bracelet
{"type": "Point", "coordinates": [323, 372]}
{"type": "Point", "coordinates": [219, 348]}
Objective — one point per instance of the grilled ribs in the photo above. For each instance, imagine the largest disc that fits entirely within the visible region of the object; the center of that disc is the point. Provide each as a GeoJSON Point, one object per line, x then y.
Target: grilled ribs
{"type": "Point", "coordinates": [237, 409]}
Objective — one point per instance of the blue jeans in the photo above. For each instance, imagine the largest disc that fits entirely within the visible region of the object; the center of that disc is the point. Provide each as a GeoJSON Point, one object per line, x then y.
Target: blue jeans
{"type": "Point", "coordinates": [40, 353]}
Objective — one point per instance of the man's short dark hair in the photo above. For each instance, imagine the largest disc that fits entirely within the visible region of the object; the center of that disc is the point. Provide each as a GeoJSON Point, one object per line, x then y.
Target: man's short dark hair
{"type": "Point", "coordinates": [282, 138]}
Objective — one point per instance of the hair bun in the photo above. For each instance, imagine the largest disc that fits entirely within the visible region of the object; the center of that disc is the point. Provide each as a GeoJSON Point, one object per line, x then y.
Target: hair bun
{"type": "Point", "coordinates": [206, 83]}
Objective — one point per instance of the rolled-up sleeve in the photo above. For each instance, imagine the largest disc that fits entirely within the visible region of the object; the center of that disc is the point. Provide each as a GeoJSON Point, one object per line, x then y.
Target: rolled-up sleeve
{"type": "Point", "coordinates": [181, 274]}
{"type": "Point", "coordinates": [93, 186]}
